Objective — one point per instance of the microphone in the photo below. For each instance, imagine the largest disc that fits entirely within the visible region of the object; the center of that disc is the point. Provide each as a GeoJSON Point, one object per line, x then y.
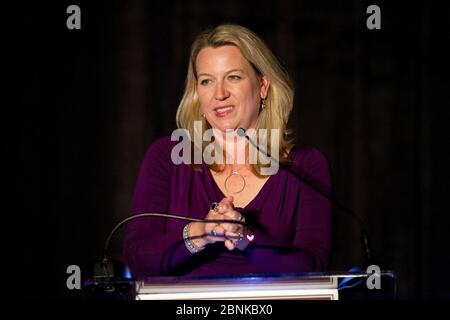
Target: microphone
{"type": "Point", "coordinates": [104, 270]}
{"type": "Point", "coordinates": [320, 188]}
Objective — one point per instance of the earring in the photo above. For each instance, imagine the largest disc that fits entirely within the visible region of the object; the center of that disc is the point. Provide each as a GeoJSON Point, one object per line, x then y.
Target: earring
{"type": "Point", "coordinates": [203, 115]}
{"type": "Point", "coordinates": [263, 104]}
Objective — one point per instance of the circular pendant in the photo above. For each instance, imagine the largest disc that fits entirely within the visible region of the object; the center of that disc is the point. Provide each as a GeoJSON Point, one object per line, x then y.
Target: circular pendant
{"type": "Point", "coordinates": [234, 183]}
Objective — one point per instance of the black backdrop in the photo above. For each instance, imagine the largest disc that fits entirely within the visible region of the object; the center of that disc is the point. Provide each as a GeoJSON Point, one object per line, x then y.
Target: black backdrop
{"type": "Point", "coordinates": [85, 104]}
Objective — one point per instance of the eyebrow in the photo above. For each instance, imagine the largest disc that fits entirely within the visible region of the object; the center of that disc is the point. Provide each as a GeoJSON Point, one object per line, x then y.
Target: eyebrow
{"type": "Point", "coordinates": [228, 72]}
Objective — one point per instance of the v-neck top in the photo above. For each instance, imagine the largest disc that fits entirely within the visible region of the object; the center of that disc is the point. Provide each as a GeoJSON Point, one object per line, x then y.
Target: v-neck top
{"type": "Point", "coordinates": [291, 222]}
{"type": "Point", "coordinates": [261, 194]}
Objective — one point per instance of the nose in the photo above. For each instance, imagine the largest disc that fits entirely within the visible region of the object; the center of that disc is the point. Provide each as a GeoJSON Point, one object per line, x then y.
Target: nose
{"type": "Point", "coordinates": [221, 93]}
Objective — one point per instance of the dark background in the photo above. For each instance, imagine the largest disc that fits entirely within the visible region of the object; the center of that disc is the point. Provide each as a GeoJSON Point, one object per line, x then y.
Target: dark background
{"type": "Point", "coordinates": [82, 106]}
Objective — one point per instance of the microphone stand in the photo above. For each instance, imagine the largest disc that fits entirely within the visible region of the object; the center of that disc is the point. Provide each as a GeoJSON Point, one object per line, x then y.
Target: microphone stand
{"type": "Point", "coordinates": [319, 188]}
{"type": "Point", "coordinates": [104, 270]}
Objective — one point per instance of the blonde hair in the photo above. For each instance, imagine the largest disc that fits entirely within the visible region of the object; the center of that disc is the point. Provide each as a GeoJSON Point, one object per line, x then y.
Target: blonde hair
{"type": "Point", "coordinates": [279, 100]}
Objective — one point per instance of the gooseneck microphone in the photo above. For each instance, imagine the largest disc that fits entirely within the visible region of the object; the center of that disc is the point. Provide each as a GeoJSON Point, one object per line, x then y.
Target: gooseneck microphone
{"type": "Point", "coordinates": [321, 189]}
{"type": "Point", "coordinates": [104, 269]}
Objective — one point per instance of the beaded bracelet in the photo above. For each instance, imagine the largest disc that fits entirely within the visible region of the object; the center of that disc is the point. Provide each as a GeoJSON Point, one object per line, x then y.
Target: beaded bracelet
{"type": "Point", "coordinates": [188, 242]}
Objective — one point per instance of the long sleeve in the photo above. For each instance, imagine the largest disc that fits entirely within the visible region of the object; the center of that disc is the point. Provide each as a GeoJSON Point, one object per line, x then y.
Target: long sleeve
{"type": "Point", "coordinates": [311, 246]}
{"type": "Point", "coordinates": [150, 250]}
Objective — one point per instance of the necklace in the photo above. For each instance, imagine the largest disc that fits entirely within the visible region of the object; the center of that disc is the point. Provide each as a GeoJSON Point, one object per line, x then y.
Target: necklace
{"type": "Point", "coordinates": [235, 182]}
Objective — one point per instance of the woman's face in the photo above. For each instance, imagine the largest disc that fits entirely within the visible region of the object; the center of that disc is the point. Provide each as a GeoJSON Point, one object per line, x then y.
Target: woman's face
{"type": "Point", "coordinates": [229, 89]}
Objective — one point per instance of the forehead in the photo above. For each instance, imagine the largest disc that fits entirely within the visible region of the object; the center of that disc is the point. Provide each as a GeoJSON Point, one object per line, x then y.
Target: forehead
{"type": "Point", "coordinates": [220, 59]}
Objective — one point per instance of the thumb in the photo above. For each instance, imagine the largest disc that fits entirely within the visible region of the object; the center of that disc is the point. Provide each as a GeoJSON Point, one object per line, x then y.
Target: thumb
{"type": "Point", "coordinates": [228, 200]}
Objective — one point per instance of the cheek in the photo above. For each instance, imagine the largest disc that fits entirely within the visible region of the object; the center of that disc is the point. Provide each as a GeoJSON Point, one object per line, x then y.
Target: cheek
{"type": "Point", "coordinates": [252, 99]}
{"type": "Point", "coordinates": [202, 98]}
{"type": "Point", "coordinates": [204, 94]}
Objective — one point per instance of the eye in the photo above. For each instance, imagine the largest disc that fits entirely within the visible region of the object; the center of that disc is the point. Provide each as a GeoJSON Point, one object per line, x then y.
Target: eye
{"type": "Point", "coordinates": [205, 82]}
{"type": "Point", "coordinates": [234, 77]}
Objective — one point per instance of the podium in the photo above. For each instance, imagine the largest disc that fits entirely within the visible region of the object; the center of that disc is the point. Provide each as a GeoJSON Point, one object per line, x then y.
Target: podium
{"type": "Point", "coordinates": [272, 287]}
{"type": "Point", "coordinates": [286, 286]}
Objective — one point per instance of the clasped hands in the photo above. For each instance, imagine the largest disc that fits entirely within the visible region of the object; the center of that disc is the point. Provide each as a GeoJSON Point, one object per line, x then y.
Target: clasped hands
{"type": "Point", "coordinates": [231, 234]}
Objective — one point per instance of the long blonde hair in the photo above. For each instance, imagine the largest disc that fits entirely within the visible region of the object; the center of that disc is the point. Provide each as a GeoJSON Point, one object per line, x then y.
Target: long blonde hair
{"type": "Point", "coordinates": [279, 100]}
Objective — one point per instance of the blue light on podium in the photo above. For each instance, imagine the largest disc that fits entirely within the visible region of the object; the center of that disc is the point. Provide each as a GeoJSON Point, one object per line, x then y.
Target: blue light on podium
{"type": "Point", "coordinates": [127, 273]}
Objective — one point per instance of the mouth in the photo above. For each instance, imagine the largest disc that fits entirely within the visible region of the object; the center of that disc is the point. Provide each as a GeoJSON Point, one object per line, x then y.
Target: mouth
{"type": "Point", "coordinates": [223, 111]}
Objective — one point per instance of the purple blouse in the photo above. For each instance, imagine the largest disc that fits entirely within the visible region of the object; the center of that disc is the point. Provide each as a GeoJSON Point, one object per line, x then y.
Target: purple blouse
{"type": "Point", "coordinates": [292, 221]}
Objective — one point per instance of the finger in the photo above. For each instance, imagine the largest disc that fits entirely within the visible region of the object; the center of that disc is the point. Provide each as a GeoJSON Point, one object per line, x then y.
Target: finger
{"type": "Point", "coordinates": [209, 227]}
{"type": "Point", "coordinates": [226, 204]}
{"type": "Point", "coordinates": [228, 215]}
{"type": "Point", "coordinates": [233, 235]}
{"type": "Point", "coordinates": [213, 215]}
{"type": "Point", "coordinates": [232, 227]}
{"type": "Point", "coordinates": [229, 244]}
{"type": "Point", "coordinates": [216, 234]}
{"type": "Point", "coordinates": [228, 200]}
{"type": "Point", "coordinates": [234, 215]}
{"type": "Point", "coordinates": [224, 207]}
{"type": "Point", "coordinates": [220, 231]}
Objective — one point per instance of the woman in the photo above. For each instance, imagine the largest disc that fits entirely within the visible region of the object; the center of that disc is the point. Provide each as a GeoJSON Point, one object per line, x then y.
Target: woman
{"type": "Point", "coordinates": [233, 81]}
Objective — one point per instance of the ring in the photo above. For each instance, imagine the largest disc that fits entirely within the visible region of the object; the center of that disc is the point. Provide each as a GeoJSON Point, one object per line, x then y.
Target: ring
{"type": "Point", "coordinates": [215, 206]}
{"type": "Point", "coordinates": [213, 232]}
{"type": "Point", "coordinates": [240, 218]}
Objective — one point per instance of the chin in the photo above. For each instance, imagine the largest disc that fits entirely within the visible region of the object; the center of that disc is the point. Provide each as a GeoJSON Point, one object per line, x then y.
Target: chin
{"type": "Point", "coordinates": [225, 127]}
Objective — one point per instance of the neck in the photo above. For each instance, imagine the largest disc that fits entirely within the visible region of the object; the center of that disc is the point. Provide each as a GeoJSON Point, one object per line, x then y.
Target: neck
{"type": "Point", "coordinates": [235, 149]}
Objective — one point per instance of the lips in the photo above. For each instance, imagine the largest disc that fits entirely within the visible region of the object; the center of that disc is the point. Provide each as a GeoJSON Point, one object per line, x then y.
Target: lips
{"type": "Point", "coordinates": [223, 111]}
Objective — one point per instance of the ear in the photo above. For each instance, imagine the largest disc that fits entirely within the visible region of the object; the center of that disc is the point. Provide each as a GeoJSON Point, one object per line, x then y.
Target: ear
{"type": "Point", "coordinates": [265, 84]}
